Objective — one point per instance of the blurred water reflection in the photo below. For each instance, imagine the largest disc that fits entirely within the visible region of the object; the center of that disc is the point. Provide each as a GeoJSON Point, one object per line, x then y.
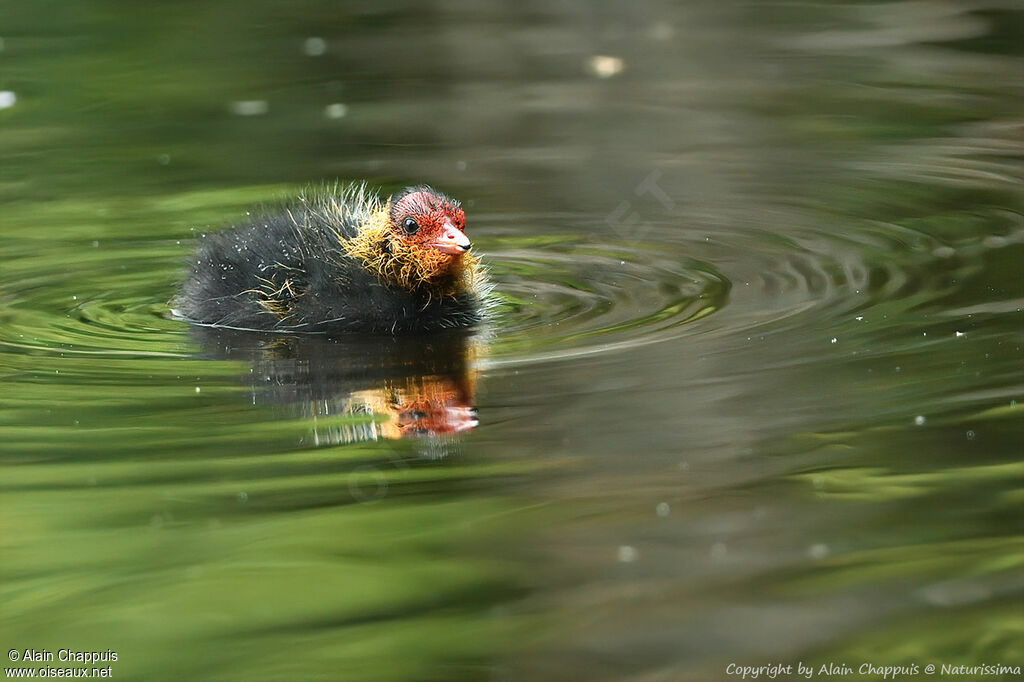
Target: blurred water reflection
{"type": "Point", "coordinates": [404, 386]}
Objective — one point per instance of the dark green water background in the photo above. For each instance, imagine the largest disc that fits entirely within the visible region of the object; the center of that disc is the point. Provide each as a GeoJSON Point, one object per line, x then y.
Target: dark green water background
{"type": "Point", "coordinates": [756, 395]}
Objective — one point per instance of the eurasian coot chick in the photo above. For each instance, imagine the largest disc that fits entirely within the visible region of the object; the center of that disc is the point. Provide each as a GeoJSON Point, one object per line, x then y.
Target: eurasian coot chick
{"type": "Point", "coordinates": [341, 261]}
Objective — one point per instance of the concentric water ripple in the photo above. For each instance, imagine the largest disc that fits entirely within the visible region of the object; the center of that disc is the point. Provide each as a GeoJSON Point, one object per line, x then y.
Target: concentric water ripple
{"type": "Point", "coordinates": [106, 304]}
{"type": "Point", "coordinates": [561, 296]}
{"type": "Point", "coordinates": [574, 295]}
{"type": "Point", "coordinates": [565, 293]}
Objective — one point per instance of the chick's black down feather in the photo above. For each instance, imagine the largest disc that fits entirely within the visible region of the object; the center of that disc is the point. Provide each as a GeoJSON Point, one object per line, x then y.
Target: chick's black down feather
{"type": "Point", "coordinates": [289, 272]}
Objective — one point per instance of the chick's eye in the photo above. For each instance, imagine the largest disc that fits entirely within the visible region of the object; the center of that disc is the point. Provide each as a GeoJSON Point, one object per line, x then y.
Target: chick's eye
{"type": "Point", "coordinates": [410, 226]}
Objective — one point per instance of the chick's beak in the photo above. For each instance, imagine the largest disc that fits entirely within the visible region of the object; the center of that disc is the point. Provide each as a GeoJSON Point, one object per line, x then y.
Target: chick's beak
{"type": "Point", "coordinates": [452, 240]}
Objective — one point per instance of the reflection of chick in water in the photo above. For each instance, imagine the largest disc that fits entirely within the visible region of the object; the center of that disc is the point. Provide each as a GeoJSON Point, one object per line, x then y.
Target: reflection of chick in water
{"type": "Point", "coordinates": [421, 386]}
{"type": "Point", "coordinates": [421, 406]}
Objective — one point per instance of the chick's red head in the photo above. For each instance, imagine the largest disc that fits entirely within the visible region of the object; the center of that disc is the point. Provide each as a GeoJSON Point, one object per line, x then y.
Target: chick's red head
{"type": "Point", "coordinates": [425, 218]}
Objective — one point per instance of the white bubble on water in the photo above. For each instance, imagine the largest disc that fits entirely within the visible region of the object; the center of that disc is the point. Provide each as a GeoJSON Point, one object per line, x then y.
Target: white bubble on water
{"type": "Point", "coordinates": [252, 107]}
{"type": "Point", "coordinates": [604, 66]}
{"type": "Point", "coordinates": [818, 551]}
{"type": "Point", "coordinates": [336, 110]}
{"type": "Point", "coordinates": [314, 46]}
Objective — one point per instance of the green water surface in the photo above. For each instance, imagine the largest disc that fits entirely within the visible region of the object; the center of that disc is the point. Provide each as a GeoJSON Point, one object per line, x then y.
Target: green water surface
{"type": "Point", "coordinates": [754, 395]}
